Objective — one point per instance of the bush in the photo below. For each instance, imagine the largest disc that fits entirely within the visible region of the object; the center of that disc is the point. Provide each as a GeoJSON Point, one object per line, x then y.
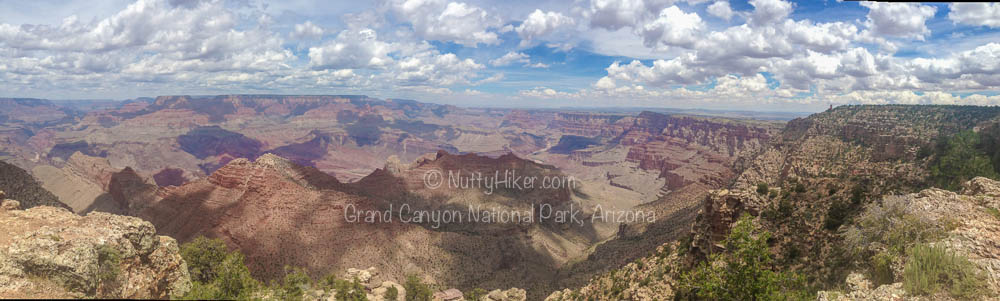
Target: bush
{"type": "Point", "coordinates": [354, 291]}
{"type": "Point", "coordinates": [799, 188]}
{"type": "Point", "coordinates": [475, 294]}
{"type": "Point", "coordinates": [296, 282]}
{"type": "Point", "coordinates": [762, 188]}
{"type": "Point", "coordinates": [202, 256]}
{"type": "Point", "coordinates": [882, 272]}
{"type": "Point", "coordinates": [837, 215]}
{"type": "Point", "coordinates": [889, 227]}
{"type": "Point", "coordinates": [742, 273]}
{"type": "Point", "coordinates": [392, 294]}
{"type": "Point", "coordinates": [994, 212]}
{"type": "Point", "coordinates": [931, 269]}
{"type": "Point", "coordinates": [416, 290]}
{"type": "Point", "coordinates": [958, 160]}
{"type": "Point", "coordinates": [220, 274]}
{"type": "Point", "coordinates": [108, 267]}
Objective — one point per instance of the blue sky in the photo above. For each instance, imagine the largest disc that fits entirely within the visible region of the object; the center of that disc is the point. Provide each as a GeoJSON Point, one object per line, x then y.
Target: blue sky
{"type": "Point", "coordinates": [716, 54]}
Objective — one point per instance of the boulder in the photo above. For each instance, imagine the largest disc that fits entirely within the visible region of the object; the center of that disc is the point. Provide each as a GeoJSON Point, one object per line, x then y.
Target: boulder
{"type": "Point", "coordinates": [49, 252]}
{"type": "Point", "coordinates": [11, 205]}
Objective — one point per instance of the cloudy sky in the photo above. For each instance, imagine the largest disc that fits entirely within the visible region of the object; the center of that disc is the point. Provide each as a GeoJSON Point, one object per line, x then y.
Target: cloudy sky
{"type": "Point", "coordinates": [746, 55]}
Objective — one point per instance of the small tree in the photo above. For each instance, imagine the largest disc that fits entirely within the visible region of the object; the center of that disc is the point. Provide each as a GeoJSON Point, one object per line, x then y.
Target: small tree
{"type": "Point", "coordinates": [743, 272]}
{"type": "Point", "coordinates": [416, 290]}
{"type": "Point", "coordinates": [762, 188]}
{"type": "Point", "coordinates": [108, 268]}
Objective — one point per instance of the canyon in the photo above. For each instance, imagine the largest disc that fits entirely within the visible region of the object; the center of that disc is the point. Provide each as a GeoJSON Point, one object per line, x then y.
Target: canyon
{"type": "Point", "coordinates": [276, 177]}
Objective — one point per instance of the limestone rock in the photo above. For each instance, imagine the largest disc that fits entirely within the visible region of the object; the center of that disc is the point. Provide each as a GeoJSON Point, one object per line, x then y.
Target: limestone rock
{"type": "Point", "coordinates": [981, 186]}
{"type": "Point", "coordinates": [513, 294]}
{"type": "Point", "coordinates": [860, 289]}
{"type": "Point", "coordinates": [51, 252]}
{"type": "Point", "coordinates": [11, 205]}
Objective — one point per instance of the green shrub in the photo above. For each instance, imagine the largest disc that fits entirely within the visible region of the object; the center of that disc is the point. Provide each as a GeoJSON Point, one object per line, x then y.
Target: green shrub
{"type": "Point", "coordinates": [416, 290]}
{"type": "Point", "coordinates": [202, 256]}
{"type": "Point", "coordinates": [799, 188]}
{"type": "Point", "coordinates": [108, 267]}
{"type": "Point", "coordinates": [837, 215]}
{"type": "Point", "coordinates": [889, 227]}
{"type": "Point", "coordinates": [354, 291]}
{"type": "Point", "coordinates": [762, 188]}
{"type": "Point", "coordinates": [393, 294]}
{"type": "Point", "coordinates": [475, 294]}
{"type": "Point", "coordinates": [296, 282]}
{"type": "Point", "coordinates": [994, 212]}
{"type": "Point", "coordinates": [882, 272]}
{"type": "Point", "coordinates": [932, 269]}
{"type": "Point", "coordinates": [959, 160]}
{"type": "Point", "coordinates": [744, 272]}
{"type": "Point", "coordinates": [216, 273]}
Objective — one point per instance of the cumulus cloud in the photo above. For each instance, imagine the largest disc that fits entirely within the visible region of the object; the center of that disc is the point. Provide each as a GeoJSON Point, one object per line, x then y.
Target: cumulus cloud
{"type": "Point", "coordinates": [672, 27]}
{"type": "Point", "coordinates": [541, 23]}
{"type": "Point", "coordinates": [721, 9]}
{"type": "Point", "coordinates": [543, 92]}
{"type": "Point", "coordinates": [440, 20]}
{"type": "Point", "coordinates": [905, 20]}
{"type": "Point", "coordinates": [307, 30]}
{"type": "Point", "coordinates": [510, 58]}
{"type": "Point", "coordinates": [975, 14]}
{"type": "Point", "coordinates": [353, 49]}
{"type": "Point", "coordinates": [769, 11]}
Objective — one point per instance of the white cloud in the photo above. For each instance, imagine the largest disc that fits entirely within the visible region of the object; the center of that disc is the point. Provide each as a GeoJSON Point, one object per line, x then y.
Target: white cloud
{"type": "Point", "coordinates": [769, 11]}
{"type": "Point", "coordinates": [307, 30]}
{"type": "Point", "coordinates": [543, 92]}
{"type": "Point", "coordinates": [721, 9]}
{"type": "Point", "coordinates": [352, 49]}
{"type": "Point", "coordinates": [441, 20]}
{"type": "Point", "coordinates": [905, 20]}
{"type": "Point", "coordinates": [975, 14]}
{"type": "Point", "coordinates": [510, 58]}
{"type": "Point", "coordinates": [673, 27]}
{"type": "Point", "coordinates": [539, 65]}
{"type": "Point", "coordinates": [541, 23]}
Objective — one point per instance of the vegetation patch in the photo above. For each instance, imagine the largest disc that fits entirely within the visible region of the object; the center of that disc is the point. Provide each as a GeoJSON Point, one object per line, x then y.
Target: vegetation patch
{"type": "Point", "coordinates": [933, 269]}
{"type": "Point", "coordinates": [744, 272]}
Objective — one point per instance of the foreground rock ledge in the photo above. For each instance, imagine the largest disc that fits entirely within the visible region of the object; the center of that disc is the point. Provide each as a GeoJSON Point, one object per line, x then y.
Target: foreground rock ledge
{"type": "Point", "coordinates": [49, 252]}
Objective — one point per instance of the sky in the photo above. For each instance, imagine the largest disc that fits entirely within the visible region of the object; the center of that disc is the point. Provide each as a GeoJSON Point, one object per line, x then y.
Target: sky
{"type": "Point", "coordinates": [764, 55]}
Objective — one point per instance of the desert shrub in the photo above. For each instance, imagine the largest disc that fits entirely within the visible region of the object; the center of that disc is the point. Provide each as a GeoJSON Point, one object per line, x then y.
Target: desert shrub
{"type": "Point", "coordinates": [221, 274]}
{"type": "Point", "coordinates": [354, 291]}
{"type": "Point", "coordinates": [475, 294]}
{"type": "Point", "coordinates": [799, 188]}
{"type": "Point", "coordinates": [762, 188]}
{"type": "Point", "coordinates": [932, 269]}
{"type": "Point", "coordinates": [837, 215]}
{"type": "Point", "coordinates": [994, 212]}
{"type": "Point", "coordinates": [958, 160]}
{"type": "Point", "coordinates": [889, 227]}
{"type": "Point", "coordinates": [203, 255]}
{"type": "Point", "coordinates": [416, 290]}
{"type": "Point", "coordinates": [108, 267]}
{"type": "Point", "coordinates": [883, 233]}
{"type": "Point", "coordinates": [858, 194]}
{"type": "Point", "coordinates": [744, 272]}
{"type": "Point", "coordinates": [882, 272]}
{"type": "Point", "coordinates": [393, 294]}
{"type": "Point", "coordinates": [296, 283]}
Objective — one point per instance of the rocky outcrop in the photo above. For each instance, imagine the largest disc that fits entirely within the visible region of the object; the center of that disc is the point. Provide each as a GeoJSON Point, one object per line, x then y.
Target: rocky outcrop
{"type": "Point", "coordinates": [721, 208]}
{"type": "Point", "coordinates": [860, 288]}
{"type": "Point", "coordinates": [18, 184]}
{"type": "Point", "coordinates": [974, 233]}
{"type": "Point", "coordinates": [48, 252]}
